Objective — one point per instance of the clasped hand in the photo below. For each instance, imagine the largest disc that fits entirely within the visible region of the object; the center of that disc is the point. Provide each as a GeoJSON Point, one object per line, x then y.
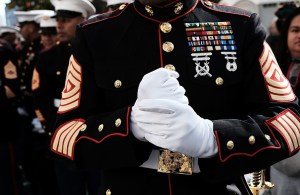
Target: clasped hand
{"type": "Point", "coordinates": [162, 116]}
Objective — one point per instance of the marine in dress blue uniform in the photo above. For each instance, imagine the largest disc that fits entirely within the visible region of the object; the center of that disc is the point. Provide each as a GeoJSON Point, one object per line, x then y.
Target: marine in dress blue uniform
{"type": "Point", "coordinates": [30, 144]}
{"type": "Point", "coordinates": [10, 180]}
{"type": "Point", "coordinates": [48, 82]}
{"type": "Point", "coordinates": [227, 69]}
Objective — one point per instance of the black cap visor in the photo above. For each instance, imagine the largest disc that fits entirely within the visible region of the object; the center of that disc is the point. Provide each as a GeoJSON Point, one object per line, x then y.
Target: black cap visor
{"type": "Point", "coordinates": [48, 31]}
{"type": "Point", "coordinates": [66, 14]}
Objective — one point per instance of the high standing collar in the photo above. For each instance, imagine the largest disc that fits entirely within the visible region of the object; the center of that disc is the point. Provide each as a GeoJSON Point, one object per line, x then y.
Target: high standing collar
{"type": "Point", "coordinates": [166, 13]}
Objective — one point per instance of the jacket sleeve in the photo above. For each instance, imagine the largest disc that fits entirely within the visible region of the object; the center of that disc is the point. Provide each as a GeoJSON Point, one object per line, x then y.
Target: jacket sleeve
{"type": "Point", "coordinates": [269, 130]}
{"type": "Point", "coordinates": [89, 131]}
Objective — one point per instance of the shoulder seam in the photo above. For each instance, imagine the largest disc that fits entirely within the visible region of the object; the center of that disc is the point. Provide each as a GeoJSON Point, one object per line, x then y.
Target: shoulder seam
{"type": "Point", "coordinates": [100, 20]}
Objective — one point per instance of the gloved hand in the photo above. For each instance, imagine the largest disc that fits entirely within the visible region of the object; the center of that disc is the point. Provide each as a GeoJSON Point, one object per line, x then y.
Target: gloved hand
{"type": "Point", "coordinates": [135, 129]}
{"type": "Point", "coordinates": [37, 126]}
{"type": "Point", "coordinates": [175, 126]}
{"type": "Point", "coordinates": [158, 84]}
{"type": "Point", "coordinates": [161, 84]}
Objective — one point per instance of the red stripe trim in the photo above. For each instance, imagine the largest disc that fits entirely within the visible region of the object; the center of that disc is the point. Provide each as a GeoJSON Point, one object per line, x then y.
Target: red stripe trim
{"type": "Point", "coordinates": [243, 153]}
{"type": "Point", "coordinates": [108, 17]}
{"type": "Point", "coordinates": [110, 135]}
{"type": "Point", "coordinates": [170, 184]}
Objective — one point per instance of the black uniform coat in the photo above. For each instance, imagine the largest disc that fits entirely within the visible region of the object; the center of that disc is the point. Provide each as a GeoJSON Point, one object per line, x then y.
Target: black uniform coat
{"type": "Point", "coordinates": [230, 77]}
{"type": "Point", "coordinates": [48, 81]}
{"type": "Point", "coordinates": [9, 91]}
{"type": "Point", "coordinates": [28, 58]}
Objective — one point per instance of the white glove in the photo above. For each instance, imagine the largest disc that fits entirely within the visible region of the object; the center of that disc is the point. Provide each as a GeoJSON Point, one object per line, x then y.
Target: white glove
{"type": "Point", "coordinates": [176, 126]}
{"type": "Point", "coordinates": [37, 126]}
{"type": "Point", "coordinates": [160, 83]}
{"type": "Point", "coordinates": [136, 131]}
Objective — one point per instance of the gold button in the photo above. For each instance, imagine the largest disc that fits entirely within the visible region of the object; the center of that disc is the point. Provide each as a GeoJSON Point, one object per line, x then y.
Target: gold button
{"type": "Point", "coordinates": [251, 139]}
{"type": "Point", "coordinates": [108, 192]}
{"type": "Point", "coordinates": [230, 145]}
{"type": "Point", "coordinates": [83, 127]}
{"type": "Point", "coordinates": [166, 27]}
{"type": "Point", "coordinates": [219, 81]}
{"type": "Point", "coordinates": [50, 134]}
{"type": "Point", "coordinates": [118, 84]}
{"type": "Point", "coordinates": [58, 73]}
{"type": "Point", "coordinates": [170, 67]}
{"type": "Point", "coordinates": [118, 122]}
{"type": "Point", "coordinates": [100, 128]}
{"type": "Point", "coordinates": [268, 137]}
{"type": "Point", "coordinates": [122, 6]}
{"type": "Point", "coordinates": [168, 46]}
{"type": "Point", "coordinates": [208, 3]}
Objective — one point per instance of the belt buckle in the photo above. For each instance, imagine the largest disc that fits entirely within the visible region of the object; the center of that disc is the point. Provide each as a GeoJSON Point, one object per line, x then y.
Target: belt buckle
{"type": "Point", "coordinates": [174, 162]}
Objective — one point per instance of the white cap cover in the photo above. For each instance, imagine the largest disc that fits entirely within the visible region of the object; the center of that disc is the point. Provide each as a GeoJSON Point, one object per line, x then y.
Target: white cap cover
{"type": "Point", "coordinates": [29, 16]}
{"type": "Point", "coordinates": [45, 20]}
{"type": "Point", "coordinates": [82, 6]}
{"type": "Point", "coordinates": [9, 29]}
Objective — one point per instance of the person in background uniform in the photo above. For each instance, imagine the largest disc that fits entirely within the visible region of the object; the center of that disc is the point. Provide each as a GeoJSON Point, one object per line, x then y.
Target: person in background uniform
{"type": "Point", "coordinates": [286, 174]}
{"type": "Point", "coordinates": [47, 30]}
{"type": "Point", "coordinates": [45, 177]}
{"type": "Point", "coordinates": [10, 178]}
{"type": "Point", "coordinates": [47, 84]}
{"type": "Point", "coordinates": [30, 128]}
{"type": "Point", "coordinates": [160, 87]}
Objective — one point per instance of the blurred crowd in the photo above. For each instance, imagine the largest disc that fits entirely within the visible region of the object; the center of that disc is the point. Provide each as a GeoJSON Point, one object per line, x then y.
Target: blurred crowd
{"type": "Point", "coordinates": [34, 57]}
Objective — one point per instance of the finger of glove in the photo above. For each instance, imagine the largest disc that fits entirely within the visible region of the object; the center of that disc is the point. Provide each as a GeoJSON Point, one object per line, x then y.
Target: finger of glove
{"type": "Point", "coordinates": [159, 76]}
{"type": "Point", "coordinates": [138, 132]}
{"type": "Point", "coordinates": [179, 95]}
{"type": "Point", "coordinates": [154, 81]}
{"type": "Point", "coordinates": [151, 117]}
{"type": "Point", "coordinates": [171, 89]}
{"type": "Point", "coordinates": [156, 140]}
{"type": "Point", "coordinates": [152, 128]}
{"type": "Point", "coordinates": [165, 106]}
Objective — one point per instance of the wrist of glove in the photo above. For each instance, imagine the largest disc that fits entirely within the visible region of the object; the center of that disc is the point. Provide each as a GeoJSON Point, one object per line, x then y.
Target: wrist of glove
{"type": "Point", "coordinates": [175, 126]}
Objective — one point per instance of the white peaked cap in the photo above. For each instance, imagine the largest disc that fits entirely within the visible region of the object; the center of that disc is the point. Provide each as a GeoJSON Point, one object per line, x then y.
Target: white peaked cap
{"type": "Point", "coordinates": [114, 2]}
{"type": "Point", "coordinates": [45, 20]}
{"type": "Point", "coordinates": [29, 16]}
{"type": "Point", "coordinates": [9, 29]}
{"type": "Point", "coordinates": [82, 6]}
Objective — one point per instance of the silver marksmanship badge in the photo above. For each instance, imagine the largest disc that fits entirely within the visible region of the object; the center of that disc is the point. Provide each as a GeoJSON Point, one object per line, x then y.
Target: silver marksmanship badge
{"type": "Point", "coordinates": [174, 162]}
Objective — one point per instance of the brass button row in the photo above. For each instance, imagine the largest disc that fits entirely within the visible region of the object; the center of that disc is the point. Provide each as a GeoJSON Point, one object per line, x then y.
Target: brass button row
{"type": "Point", "coordinates": [251, 140]}
{"type": "Point", "coordinates": [118, 123]}
{"type": "Point", "coordinates": [167, 46]}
